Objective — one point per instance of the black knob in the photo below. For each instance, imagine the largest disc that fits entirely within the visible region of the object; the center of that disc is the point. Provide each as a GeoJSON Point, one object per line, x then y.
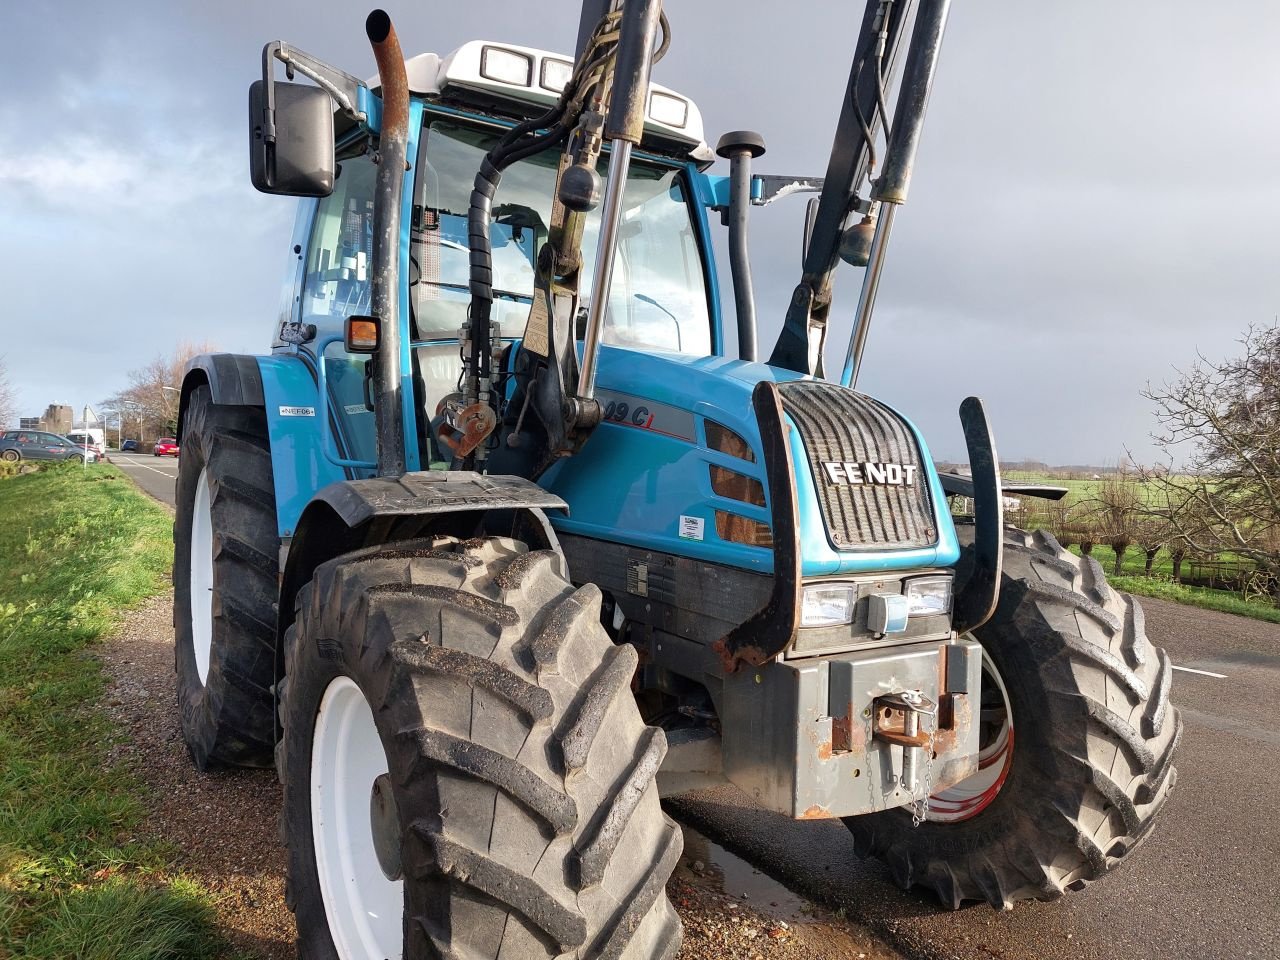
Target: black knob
{"type": "Point", "coordinates": [580, 188]}
{"type": "Point", "coordinates": [737, 140]}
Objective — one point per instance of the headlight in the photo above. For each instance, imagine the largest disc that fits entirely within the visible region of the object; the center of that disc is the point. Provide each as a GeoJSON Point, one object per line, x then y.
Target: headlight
{"type": "Point", "coordinates": [506, 66]}
{"type": "Point", "coordinates": [555, 74]}
{"type": "Point", "coordinates": [827, 604]}
{"type": "Point", "coordinates": [664, 108]}
{"type": "Point", "coordinates": [928, 596]}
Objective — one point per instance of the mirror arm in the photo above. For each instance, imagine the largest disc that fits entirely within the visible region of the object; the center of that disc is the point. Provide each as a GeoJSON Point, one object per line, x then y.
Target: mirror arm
{"type": "Point", "coordinates": [767, 188]}
{"type": "Point", "coordinates": [343, 88]}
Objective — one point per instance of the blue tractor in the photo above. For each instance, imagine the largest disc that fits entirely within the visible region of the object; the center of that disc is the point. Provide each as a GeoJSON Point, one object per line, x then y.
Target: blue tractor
{"type": "Point", "coordinates": [497, 546]}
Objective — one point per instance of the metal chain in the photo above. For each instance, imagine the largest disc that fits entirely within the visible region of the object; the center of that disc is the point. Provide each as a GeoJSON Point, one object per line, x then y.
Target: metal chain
{"type": "Point", "coordinates": [920, 803]}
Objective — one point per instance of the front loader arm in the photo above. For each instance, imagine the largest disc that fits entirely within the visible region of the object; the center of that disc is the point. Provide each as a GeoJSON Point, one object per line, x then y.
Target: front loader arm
{"type": "Point", "coordinates": [803, 335]}
{"type": "Point", "coordinates": [553, 410]}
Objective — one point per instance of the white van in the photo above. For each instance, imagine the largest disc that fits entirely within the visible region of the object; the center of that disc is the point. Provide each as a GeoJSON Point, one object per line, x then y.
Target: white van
{"type": "Point", "coordinates": [95, 438]}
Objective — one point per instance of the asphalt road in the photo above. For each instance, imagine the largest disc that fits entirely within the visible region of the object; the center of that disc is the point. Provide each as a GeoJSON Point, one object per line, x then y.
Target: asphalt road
{"type": "Point", "coordinates": [156, 475]}
{"type": "Point", "coordinates": [1205, 885]}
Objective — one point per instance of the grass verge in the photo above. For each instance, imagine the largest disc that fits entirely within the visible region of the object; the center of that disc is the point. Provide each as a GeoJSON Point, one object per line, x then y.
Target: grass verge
{"type": "Point", "coordinates": [76, 547]}
{"type": "Point", "coordinates": [1161, 585]}
{"type": "Point", "coordinates": [1195, 597]}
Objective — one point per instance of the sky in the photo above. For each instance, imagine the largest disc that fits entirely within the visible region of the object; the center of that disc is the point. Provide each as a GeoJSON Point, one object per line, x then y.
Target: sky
{"type": "Point", "coordinates": [1096, 198]}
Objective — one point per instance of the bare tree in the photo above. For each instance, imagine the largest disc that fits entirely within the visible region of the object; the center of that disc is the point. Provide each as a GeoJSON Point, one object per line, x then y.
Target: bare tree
{"type": "Point", "coordinates": [1152, 534]}
{"type": "Point", "coordinates": [1116, 508]}
{"type": "Point", "coordinates": [1085, 535]}
{"type": "Point", "coordinates": [152, 395]}
{"type": "Point", "coordinates": [8, 403]}
{"type": "Point", "coordinates": [1220, 430]}
{"type": "Point", "coordinates": [1058, 520]}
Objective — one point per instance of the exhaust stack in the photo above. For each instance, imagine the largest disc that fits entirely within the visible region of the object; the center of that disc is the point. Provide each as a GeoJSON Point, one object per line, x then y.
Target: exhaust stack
{"type": "Point", "coordinates": [393, 143]}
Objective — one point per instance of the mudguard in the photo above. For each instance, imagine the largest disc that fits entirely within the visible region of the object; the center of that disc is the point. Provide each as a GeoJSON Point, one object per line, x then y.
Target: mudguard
{"type": "Point", "coordinates": [233, 379]}
{"type": "Point", "coordinates": [354, 514]}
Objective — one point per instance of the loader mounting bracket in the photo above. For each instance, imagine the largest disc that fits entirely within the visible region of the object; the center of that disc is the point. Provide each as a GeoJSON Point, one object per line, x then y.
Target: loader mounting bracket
{"type": "Point", "coordinates": [978, 584]}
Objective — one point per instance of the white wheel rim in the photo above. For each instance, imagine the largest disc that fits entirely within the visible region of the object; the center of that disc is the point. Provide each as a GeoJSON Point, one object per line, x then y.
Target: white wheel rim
{"type": "Point", "coordinates": [365, 910]}
{"type": "Point", "coordinates": [971, 796]}
{"type": "Point", "coordinates": [202, 578]}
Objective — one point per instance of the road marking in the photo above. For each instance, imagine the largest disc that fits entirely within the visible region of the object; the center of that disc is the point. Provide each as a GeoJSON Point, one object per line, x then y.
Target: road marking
{"type": "Point", "coordinates": [147, 466]}
{"type": "Point", "coordinates": [1203, 673]}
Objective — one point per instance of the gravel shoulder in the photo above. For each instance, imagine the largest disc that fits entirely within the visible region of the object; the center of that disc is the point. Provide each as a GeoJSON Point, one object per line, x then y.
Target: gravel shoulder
{"type": "Point", "coordinates": [223, 830]}
{"type": "Point", "coordinates": [222, 826]}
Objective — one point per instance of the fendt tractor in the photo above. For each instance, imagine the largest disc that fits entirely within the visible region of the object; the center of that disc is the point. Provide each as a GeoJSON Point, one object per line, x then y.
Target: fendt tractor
{"type": "Point", "coordinates": [498, 546]}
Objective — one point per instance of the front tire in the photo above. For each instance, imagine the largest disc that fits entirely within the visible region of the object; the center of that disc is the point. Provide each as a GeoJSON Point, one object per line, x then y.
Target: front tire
{"type": "Point", "coordinates": [466, 772]}
{"type": "Point", "coordinates": [1080, 784]}
{"type": "Point", "coordinates": [225, 567]}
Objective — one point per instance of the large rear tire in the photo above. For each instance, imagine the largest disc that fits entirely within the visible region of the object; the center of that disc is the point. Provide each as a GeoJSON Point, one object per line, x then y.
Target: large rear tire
{"type": "Point", "coordinates": [225, 571]}
{"type": "Point", "coordinates": [1080, 785]}
{"type": "Point", "coordinates": [466, 772]}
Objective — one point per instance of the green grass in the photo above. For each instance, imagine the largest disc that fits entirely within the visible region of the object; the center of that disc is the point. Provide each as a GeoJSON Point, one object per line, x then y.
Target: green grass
{"type": "Point", "coordinates": [1134, 563]}
{"type": "Point", "coordinates": [1160, 584]}
{"type": "Point", "coordinates": [76, 548]}
{"type": "Point", "coordinates": [1202, 597]}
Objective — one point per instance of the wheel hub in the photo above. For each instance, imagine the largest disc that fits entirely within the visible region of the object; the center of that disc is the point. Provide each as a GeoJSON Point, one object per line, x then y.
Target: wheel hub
{"type": "Point", "coordinates": [971, 796]}
{"type": "Point", "coordinates": [384, 820]}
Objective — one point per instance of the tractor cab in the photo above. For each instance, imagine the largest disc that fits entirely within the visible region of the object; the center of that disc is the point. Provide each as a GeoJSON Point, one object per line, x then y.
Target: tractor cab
{"type": "Point", "coordinates": [663, 297]}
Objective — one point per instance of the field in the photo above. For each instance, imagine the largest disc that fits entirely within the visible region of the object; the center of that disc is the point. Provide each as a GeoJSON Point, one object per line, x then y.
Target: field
{"type": "Point", "coordinates": [1033, 513]}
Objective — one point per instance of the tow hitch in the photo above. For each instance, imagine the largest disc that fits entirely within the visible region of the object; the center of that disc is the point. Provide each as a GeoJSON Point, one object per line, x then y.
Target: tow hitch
{"type": "Point", "coordinates": [896, 721]}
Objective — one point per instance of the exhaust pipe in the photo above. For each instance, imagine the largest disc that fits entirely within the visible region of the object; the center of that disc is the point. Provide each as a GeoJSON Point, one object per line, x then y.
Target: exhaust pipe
{"type": "Point", "coordinates": [741, 147]}
{"type": "Point", "coordinates": [393, 144]}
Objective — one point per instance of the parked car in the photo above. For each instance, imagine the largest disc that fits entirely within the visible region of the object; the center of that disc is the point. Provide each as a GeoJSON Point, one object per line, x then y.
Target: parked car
{"type": "Point", "coordinates": [128, 445]}
{"type": "Point", "coordinates": [82, 440]}
{"type": "Point", "coordinates": [38, 445]}
{"type": "Point", "coordinates": [166, 447]}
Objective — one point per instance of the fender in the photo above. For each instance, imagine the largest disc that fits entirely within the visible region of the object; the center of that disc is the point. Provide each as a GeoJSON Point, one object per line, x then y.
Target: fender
{"type": "Point", "coordinates": [351, 515]}
{"type": "Point", "coordinates": [232, 378]}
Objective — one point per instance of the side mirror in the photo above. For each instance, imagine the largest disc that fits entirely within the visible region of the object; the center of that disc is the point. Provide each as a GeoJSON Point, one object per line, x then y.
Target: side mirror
{"type": "Point", "coordinates": [300, 160]}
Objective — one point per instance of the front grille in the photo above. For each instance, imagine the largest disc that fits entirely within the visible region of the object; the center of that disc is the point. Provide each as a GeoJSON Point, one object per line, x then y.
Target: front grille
{"type": "Point", "coordinates": [839, 425]}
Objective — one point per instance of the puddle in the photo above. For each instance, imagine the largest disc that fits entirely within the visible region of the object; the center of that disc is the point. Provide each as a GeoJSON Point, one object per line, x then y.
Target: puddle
{"type": "Point", "coordinates": [794, 928]}
{"type": "Point", "coordinates": [740, 880]}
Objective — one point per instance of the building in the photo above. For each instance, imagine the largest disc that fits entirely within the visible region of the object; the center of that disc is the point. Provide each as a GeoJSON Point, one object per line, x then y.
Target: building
{"type": "Point", "coordinates": [28, 423]}
{"type": "Point", "coordinates": [57, 418]}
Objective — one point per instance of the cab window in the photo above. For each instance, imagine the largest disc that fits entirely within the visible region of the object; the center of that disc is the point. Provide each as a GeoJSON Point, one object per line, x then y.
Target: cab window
{"type": "Point", "coordinates": [658, 298]}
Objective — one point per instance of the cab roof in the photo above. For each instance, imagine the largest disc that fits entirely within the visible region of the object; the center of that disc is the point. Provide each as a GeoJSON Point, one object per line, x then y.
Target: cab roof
{"type": "Point", "coordinates": [526, 76]}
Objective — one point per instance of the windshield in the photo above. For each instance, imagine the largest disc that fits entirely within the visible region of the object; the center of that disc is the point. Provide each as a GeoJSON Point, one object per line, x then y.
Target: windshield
{"type": "Point", "coordinates": [658, 298]}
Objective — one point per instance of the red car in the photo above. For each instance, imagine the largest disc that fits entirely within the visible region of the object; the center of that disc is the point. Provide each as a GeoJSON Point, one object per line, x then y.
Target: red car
{"type": "Point", "coordinates": [166, 447]}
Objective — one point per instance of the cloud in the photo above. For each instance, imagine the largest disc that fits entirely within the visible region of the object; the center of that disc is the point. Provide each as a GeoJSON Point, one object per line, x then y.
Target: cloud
{"type": "Point", "coordinates": [1088, 208]}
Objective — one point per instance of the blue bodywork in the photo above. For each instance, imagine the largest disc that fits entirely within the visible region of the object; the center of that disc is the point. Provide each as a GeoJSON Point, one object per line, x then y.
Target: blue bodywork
{"type": "Point", "coordinates": [631, 483]}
